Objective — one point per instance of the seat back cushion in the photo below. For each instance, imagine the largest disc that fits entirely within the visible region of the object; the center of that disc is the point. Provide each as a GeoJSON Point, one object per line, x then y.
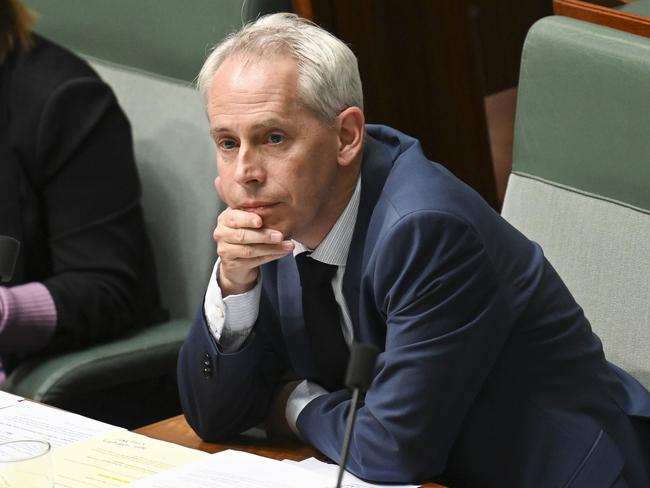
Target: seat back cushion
{"type": "Point", "coordinates": [580, 184]}
{"type": "Point", "coordinates": [176, 161]}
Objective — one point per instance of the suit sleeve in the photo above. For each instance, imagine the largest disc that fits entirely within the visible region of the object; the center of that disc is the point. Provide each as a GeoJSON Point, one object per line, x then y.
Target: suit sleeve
{"type": "Point", "coordinates": [223, 394]}
{"type": "Point", "coordinates": [90, 189]}
{"type": "Point", "coordinates": [445, 314]}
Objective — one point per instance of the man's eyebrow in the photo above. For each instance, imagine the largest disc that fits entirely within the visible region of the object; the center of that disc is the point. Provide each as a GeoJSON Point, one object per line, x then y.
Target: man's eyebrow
{"type": "Point", "coordinates": [265, 124]}
{"type": "Point", "coordinates": [217, 130]}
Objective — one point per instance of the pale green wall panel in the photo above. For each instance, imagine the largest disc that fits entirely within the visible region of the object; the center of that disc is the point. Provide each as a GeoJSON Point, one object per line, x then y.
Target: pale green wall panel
{"type": "Point", "coordinates": [168, 37]}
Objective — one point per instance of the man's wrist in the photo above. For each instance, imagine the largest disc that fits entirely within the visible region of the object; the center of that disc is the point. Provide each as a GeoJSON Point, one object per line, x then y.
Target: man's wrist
{"type": "Point", "coordinates": [230, 287]}
{"type": "Point", "coordinates": [300, 396]}
{"type": "Point", "coordinates": [230, 319]}
{"type": "Point", "coordinates": [276, 423]}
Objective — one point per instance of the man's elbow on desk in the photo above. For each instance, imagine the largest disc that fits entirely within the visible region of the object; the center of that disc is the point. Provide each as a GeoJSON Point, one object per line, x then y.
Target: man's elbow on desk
{"type": "Point", "coordinates": [379, 452]}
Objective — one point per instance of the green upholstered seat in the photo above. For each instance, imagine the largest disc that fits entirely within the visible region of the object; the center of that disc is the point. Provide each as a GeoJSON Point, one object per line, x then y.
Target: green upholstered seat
{"type": "Point", "coordinates": [148, 51]}
{"type": "Point", "coordinates": [580, 184]}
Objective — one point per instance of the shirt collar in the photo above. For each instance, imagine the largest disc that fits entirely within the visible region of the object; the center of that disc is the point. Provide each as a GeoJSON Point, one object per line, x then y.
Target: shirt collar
{"type": "Point", "coordinates": [334, 248]}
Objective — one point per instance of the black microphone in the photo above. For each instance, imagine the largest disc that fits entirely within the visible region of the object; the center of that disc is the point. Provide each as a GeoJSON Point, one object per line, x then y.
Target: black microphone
{"type": "Point", "coordinates": [9, 248]}
{"type": "Point", "coordinates": [357, 378]}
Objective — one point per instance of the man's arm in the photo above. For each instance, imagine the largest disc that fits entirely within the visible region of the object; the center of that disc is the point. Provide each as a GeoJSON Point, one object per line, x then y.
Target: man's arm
{"type": "Point", "coordinates": [225, 390]}
{"type": "Point", "coordinates": [235, 393]}
{"type": "Point", "coordinates": [446, 318]}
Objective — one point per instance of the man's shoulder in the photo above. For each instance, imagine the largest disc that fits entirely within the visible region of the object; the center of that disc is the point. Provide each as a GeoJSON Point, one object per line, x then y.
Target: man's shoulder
{"type": "Point", "coordinates": [410, 177]}
{"type": "Point", "coordinates": [416, 189]}
{"type": "Point", "coordinates": [415, 184]}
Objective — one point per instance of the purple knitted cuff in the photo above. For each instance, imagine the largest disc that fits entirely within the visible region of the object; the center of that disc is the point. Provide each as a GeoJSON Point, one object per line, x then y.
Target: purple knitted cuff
{"type": "Point", "coordinates": [27, 318]}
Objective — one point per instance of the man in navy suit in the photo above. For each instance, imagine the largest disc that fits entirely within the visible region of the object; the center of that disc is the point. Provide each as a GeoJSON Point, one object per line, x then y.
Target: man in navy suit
{"type": "Point", "coordinates": [489, 373]}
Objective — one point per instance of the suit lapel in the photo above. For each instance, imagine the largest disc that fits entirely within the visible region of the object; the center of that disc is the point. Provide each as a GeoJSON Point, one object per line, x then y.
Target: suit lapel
{"type": "Point", "coordinates": [377, 162]}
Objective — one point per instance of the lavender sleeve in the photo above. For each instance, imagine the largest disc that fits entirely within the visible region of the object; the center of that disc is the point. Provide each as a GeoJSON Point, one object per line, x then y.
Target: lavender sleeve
{"type": "Point", "coordinates": [27, 318]}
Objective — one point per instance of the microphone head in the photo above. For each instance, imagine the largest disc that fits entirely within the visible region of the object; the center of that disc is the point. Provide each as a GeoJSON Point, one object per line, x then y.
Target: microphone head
{"type": "Point", "coordinates": [9, 248]}
{"type": "Point", "coordinates": [361, 366]}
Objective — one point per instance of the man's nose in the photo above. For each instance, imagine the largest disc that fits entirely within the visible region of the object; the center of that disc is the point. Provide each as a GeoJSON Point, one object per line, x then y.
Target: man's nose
{"type": "Point", "coordinates": [250, 168]}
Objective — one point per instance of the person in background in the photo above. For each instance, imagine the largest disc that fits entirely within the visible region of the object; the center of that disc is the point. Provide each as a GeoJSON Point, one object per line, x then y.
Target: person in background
{"type": "Point", "coordinates": [69, 192]}
{"type": "Point", "coordinates": [489, 373]}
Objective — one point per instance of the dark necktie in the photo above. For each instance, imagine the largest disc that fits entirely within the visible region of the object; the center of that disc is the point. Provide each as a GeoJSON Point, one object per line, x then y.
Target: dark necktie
{"type": "Point", "coordinates": [321, 313]}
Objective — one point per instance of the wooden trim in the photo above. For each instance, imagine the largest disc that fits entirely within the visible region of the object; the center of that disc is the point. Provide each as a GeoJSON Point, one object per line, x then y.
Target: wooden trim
{"type": "Point", "coordinates": [304, 8]}
{"type": "Point", "coordinates": [609, 17]}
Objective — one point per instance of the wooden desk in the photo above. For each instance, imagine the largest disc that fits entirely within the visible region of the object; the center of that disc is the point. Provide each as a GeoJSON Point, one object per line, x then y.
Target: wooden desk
{"type": "Point", "coordinates": [177, 430]}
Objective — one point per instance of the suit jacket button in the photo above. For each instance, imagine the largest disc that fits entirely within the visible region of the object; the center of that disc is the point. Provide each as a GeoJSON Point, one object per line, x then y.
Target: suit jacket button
{"type": "Point", "coordinates": [207, 365]}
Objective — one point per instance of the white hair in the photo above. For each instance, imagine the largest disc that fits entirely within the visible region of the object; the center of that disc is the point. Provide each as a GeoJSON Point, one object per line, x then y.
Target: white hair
{"type": "Point", "coordinates": [328, 74]}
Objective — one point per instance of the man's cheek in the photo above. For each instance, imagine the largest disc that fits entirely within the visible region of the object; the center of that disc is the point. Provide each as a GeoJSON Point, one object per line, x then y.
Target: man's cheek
{"type": "Point", "coordinates": [226, 191]}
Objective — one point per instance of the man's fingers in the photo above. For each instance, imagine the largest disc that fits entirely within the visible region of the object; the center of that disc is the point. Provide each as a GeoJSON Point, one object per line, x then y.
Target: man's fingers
{"type": "Point", "coordinates": [234, 219]}
{"type": "Point", "coordinates": [240, 264]}
{"type": "Point", "coordinates": [243, 245]}
{"type": "Point", "coordinates": [258, 261]}
{"type": "Point", "coordinates": [228, 251]}
{"type": "Point", "coordinates": [244, 235]}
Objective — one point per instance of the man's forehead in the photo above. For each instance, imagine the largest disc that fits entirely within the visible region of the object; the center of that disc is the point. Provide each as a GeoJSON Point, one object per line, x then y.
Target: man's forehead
{"type": "Point", "coordinates": [266, 86]}
{"type": "Point", "coordinates": [240, 69]}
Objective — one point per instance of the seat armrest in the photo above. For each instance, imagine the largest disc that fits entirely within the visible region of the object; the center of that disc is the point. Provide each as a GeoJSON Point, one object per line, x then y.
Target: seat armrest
{"type": "Point", "coordinates": [129, 359]}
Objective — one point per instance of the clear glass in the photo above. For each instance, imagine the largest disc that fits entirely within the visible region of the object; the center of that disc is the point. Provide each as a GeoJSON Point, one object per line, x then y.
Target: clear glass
{"type": "Point", "coordinates": [26, 464]}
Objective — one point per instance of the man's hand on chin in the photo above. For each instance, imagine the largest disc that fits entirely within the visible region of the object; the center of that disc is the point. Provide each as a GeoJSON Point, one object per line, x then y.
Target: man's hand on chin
{"type": "Point", "coordinates": [276, 422]}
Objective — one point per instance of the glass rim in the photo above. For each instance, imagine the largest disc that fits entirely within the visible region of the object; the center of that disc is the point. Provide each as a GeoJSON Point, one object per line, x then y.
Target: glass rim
{"type": "Point", "coordinates": [26, 457]}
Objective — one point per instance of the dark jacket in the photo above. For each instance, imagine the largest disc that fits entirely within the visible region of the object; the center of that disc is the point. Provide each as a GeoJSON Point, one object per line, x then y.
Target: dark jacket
{"type": "Point", "coordinates": [69, 191]}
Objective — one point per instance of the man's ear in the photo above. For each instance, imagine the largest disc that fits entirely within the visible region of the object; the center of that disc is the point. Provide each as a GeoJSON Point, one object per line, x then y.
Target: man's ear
{"type": "Point", "coordinates": [351, 131]}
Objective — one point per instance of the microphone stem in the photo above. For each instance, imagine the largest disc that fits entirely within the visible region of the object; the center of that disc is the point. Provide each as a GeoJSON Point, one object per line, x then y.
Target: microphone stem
{"type": "Point", "coordinates": [348, 435]}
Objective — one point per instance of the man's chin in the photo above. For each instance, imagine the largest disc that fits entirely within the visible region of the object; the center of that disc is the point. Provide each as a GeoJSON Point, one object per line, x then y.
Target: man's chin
{"type": "Point", "coordinates": [270, 220]}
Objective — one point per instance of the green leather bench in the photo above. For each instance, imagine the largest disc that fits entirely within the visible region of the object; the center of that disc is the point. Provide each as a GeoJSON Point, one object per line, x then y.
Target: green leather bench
{"type": "Point", "coordinates": [149, 51]}
{"type": "Point", "coordinates": [580, 184]}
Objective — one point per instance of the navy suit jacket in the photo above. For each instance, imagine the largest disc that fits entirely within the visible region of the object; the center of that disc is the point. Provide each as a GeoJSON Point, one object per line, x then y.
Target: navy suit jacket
{"type": "Point", "coordinates": [489, 373]}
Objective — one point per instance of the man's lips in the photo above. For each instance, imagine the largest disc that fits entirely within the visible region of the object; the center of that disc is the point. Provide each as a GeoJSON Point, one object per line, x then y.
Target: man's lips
{"type": "Point", "coordinates": [257, 206]}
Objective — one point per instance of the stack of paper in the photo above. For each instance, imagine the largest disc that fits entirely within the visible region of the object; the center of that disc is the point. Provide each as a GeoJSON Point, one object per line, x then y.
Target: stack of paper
{"type": "Point", "coordinates": [92, 454]}
{"type": "Point", "coordinates": [87, 453]}
{"type": "Point", "coordinates": [331, 472]}
{"type": "Point", "coordinates": [236, 469]}
{"type": "Point", "coordinates": [29, 420]}
{"type": "Point", "coordinates": [8, 400]}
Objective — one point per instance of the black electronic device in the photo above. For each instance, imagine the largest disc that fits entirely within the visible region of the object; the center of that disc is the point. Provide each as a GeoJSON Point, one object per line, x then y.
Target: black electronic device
{"type": "Point", "coordinates": [357, 379]}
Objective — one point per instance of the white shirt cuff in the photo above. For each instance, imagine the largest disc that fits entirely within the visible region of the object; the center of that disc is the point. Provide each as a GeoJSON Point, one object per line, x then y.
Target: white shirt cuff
{"type": "Point", "coordinates": [304, 393]}
{"type": "Point", "coordinates": [230, 319]}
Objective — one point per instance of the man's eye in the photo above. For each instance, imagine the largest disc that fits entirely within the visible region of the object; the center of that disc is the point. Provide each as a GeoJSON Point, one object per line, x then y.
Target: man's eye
{"type": "Point", "coordinates": [227, 144]}
{"type": "Point", "coordinates": [275, 138]}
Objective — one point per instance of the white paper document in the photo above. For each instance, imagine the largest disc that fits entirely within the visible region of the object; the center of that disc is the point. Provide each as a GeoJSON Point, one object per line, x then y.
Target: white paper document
{"type": "Point", "coordinates": [29, 420]}
{"type": "Point", "coordinates": [236, 469]}
{"type": "Point", "coordinates": [8, 399]}
{"type": "Point", "coordinates": [331, 472]}
{"type": "Point", "coordinates": [116, 459]}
